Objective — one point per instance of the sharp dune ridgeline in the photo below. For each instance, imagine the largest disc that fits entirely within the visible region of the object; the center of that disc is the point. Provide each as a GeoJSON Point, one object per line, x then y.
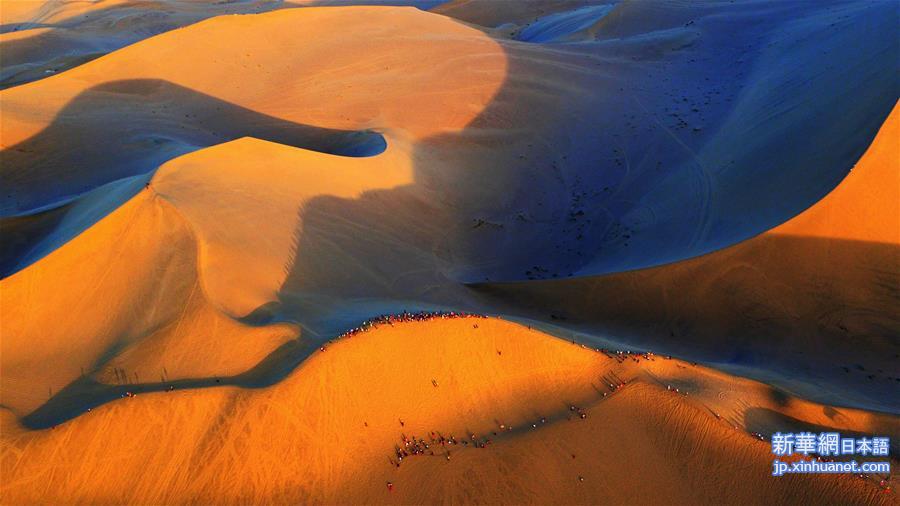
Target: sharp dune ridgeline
{"type": "Point", "coordinates": [202, 202]}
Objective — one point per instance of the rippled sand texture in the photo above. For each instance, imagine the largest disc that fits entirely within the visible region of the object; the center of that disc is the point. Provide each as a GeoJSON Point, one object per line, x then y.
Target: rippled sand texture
{"type": "Point", "coordinates": [195, 198]}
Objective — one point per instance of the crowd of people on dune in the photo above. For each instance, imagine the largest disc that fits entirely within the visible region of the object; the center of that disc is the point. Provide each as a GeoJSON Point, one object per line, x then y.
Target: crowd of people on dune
{"type": "Point", "coordinates": [402, 317]}
{"type": "Point", "coordinates": [439, 445]}
{"type": "Point", "coordinates": [436, 441]}
{"type": "Point", "coordinates": [418, 446]}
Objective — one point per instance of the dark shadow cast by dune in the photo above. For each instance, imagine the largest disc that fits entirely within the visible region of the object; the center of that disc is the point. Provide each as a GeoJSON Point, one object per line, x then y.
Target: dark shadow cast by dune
{"type": "Point", "coordinates": [86, 393]}
{"type": "Point", "coordinates": [529, 181]}
{"type": "Point", "coordinates": [125, 129]}
{"type": "Point", "coordinates": [815, 316]}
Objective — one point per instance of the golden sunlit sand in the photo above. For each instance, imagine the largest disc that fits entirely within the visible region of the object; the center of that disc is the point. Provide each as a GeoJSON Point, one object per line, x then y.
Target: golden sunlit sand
{"type": "Point", "coordinates": [202, 202]}
{"type": "Point", "coordinates": [328, 431]}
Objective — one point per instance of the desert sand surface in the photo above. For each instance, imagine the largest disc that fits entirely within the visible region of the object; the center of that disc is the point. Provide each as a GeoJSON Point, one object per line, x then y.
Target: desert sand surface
{"type": "Point", "coordinates": [198, 198]}
{"type": "Point", "coordinates": [328, 432]}
{"type": "Point", "coordinates": [810, 303]}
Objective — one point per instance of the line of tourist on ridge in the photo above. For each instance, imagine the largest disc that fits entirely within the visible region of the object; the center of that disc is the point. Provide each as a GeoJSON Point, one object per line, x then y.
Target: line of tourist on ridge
{"type": "Point", "coordinates": [402, 317]}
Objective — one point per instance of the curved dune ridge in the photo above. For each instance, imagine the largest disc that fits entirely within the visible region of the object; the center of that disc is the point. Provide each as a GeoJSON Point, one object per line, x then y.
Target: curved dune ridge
{"type": "Point", "coordinates": [607, 199]}
{"type": "Point", "coordinates": [193, 217]}
{"type": "Point", "coordinates": [653, 429]}
{"type": "Point", "coordinates": [41, 38]}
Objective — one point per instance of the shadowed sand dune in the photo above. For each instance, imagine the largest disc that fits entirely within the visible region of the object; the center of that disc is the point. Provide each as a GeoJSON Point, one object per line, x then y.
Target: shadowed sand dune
{"type": "Point", "coordinates": [192, 216]}
{"type": "Point", "coordinates": [127, 128]}
{"type": "Point", "coordinates": [809, 304]}
{"type": "Point", "coordinates": [116, 134]}
{"type": "Point", "coordinates": [471, 184]}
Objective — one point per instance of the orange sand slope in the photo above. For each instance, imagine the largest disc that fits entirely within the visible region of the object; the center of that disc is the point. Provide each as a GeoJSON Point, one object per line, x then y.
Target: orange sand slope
{"type": "Point", "coordinates": [485, 117]}
{"type": "Point", "coordinates": [219, 226]}
{"type": "Point", "coordinates": [327, 433]}
{"type": "Point", "coordinates": [189, 219]}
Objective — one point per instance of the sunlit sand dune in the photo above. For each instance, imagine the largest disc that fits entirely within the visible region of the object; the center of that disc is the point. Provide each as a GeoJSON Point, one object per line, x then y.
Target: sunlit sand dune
{"type": "Point", "coordinates": [474, 185]}
{"type": "Point", "coordinates": [42, 38]}
{"type": "Point", "coordinates": [124, 115]}
{"type": "Point", "coordinates": [498, 114]}
{"type": "Point", "coordinates": [328, 431]}
{"type": "Point", "coordinates": [195, 199]}
{"type": "Point", "coordinates": [222, 250]}
{"type": "Point", "coordinates": [148, 315]}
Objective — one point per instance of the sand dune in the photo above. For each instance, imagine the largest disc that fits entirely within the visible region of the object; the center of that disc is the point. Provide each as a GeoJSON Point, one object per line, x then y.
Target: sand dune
{"type": "Point", "coordinates": [474, 186]}
{"type": "Point", "coordinates": [696, 137]}
{"type": "Point", "coordinates": [40, 38]}
{"type": "Point", "coordinates": [806, 304]}
{"type": "Point", "coordinates": [147, 315]}
{"type": "Point", "coordinates": [169, 112]}
{"type": "Point", "coordinates": [327, 432]}
{"type": "Point", "coordinates": [193, 257]}
{"type": "Point", "coordinates": [195, 203]}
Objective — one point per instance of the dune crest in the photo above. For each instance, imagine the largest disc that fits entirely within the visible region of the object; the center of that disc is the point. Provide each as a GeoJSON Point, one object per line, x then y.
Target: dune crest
{"type": "Point", "coordinates": [147, 315]}
{"type": "Point", "coordinates": [245, 201]}
{"type": "Point", "coordinates": [327, 432]}
{"type": "Point", "coordinates": [474, 186]}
